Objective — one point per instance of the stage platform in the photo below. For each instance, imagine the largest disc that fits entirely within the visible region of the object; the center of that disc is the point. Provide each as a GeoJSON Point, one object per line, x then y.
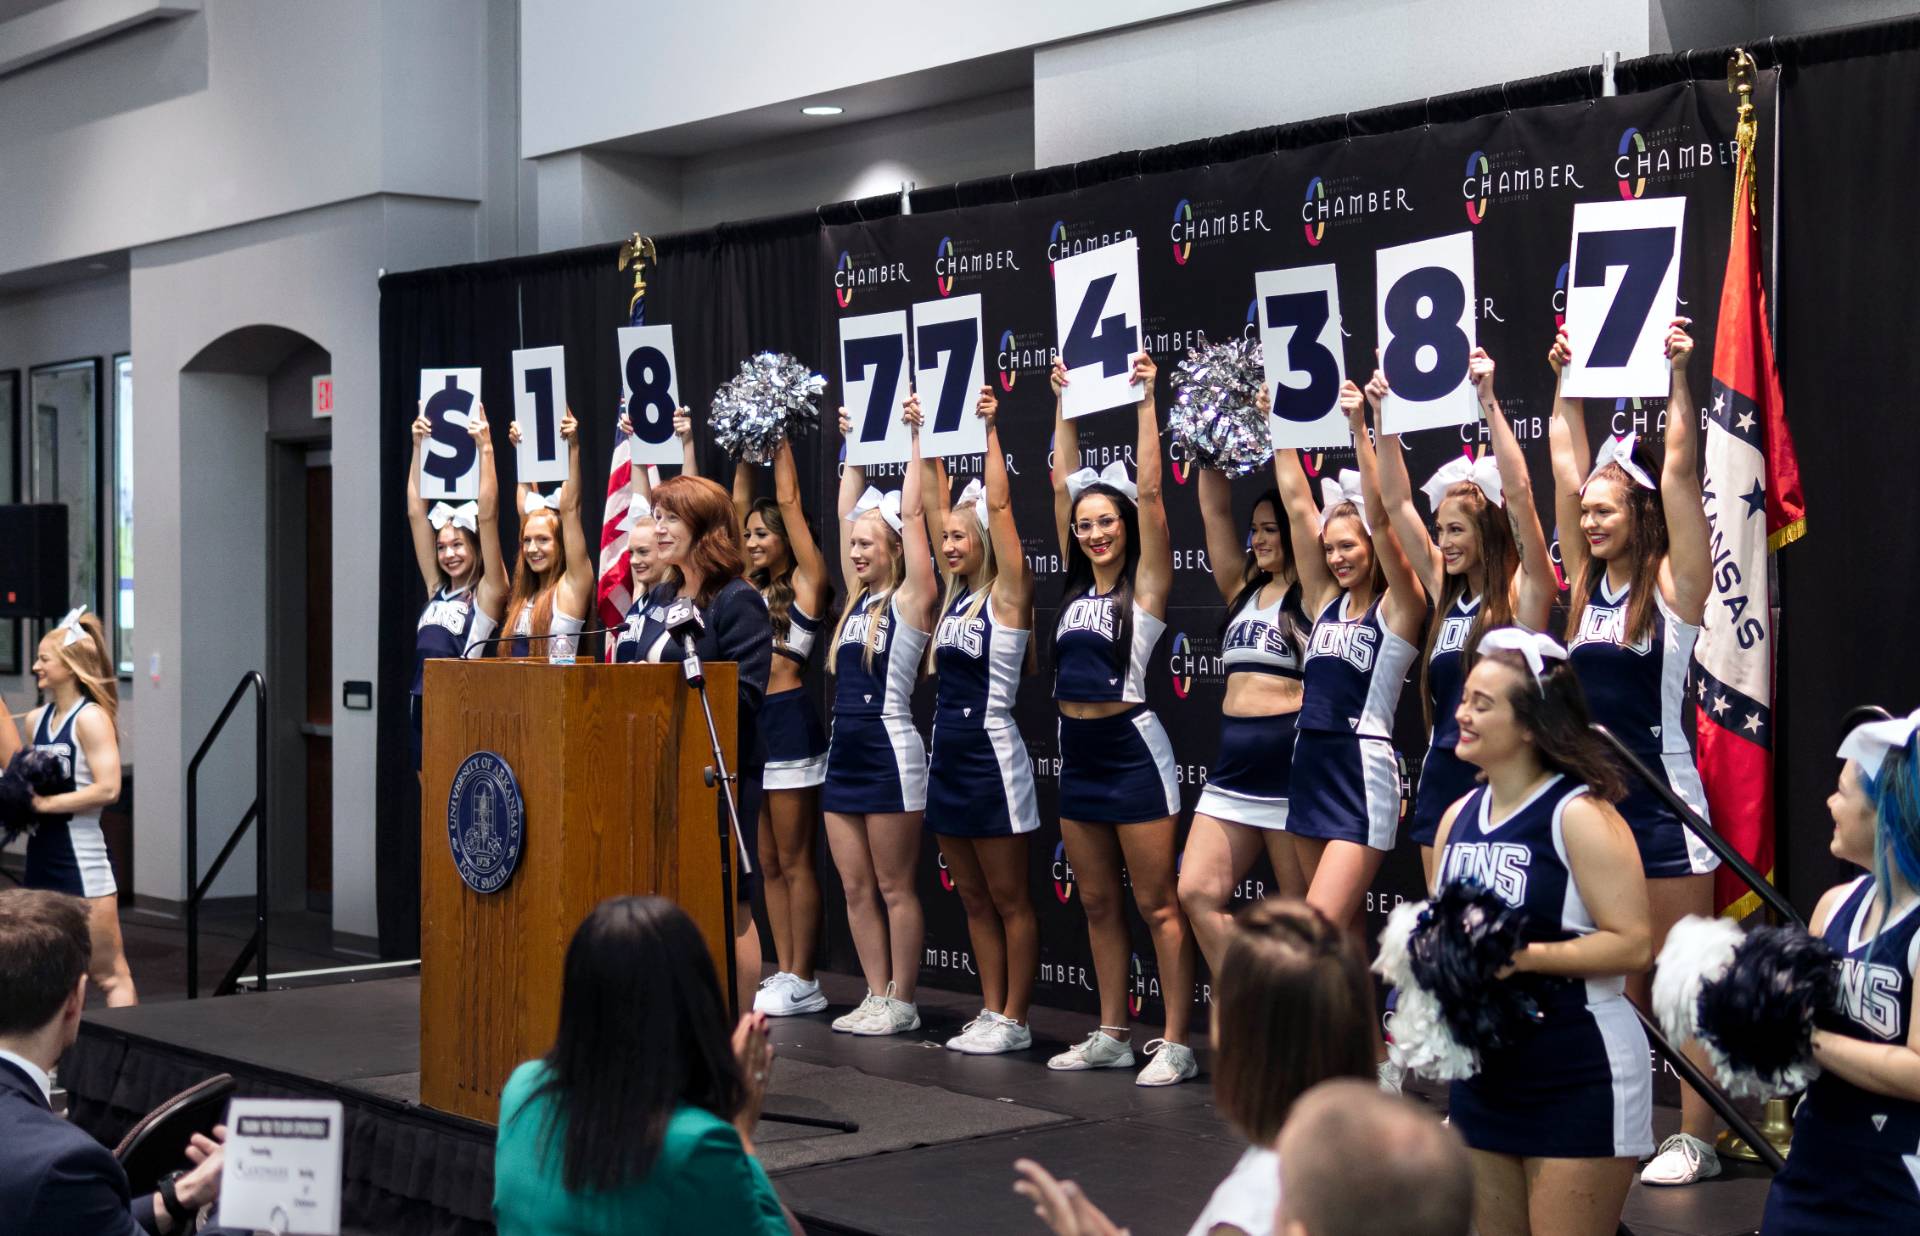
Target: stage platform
{"type": "Point", "coordinates": [938, 1130]}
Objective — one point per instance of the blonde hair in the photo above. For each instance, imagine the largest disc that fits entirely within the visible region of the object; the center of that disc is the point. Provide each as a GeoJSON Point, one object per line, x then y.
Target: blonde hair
{"type": "Point", "coordinates": [896, 575]}
{"type": "Point", "coordinates": [91, 664]}
{"type": "Point", "coordinates": [989, 571]}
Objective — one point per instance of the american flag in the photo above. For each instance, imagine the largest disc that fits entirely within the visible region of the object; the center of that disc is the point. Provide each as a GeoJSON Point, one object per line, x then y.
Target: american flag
{"type": "Point", "coordinates": [616, 579]}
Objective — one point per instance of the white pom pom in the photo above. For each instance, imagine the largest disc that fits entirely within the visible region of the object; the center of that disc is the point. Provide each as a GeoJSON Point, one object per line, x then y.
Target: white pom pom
{"type": "Point", "coordinates": [1422, 1042]}
{"type": "Point", "coordinates": [1698, 950]}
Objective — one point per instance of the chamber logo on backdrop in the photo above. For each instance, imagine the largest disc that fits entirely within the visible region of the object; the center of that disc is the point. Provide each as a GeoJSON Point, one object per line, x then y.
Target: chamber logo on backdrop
{"type": "Point", "coordinates": [1062, 873]}
{"type": "Point", "coordinates": [1330, 203]}
{"type": "Point", "coordinates": [955, 261]}
{"type": "Point", "coordinates": [1022, 352]}
{"type": "Point", "coordinates": [1658, 157]}
{"type": "Point", "coordinates": [1139, 986]}
{"type": "Point", "coordinates": [1200, 224]}
{"type": "Point", "coordinates": [1191, 660]}
{"type": "Point", "coordinates": [1509, 176]}
{"type": "Point", "coordinates": [863, 270]}
{"type": "Point", "coordinates": [486, 822]}
{"type": "Point", "coordinates": [1070, 236]}
{"type": "Point", "coordinates": [1560, 297]}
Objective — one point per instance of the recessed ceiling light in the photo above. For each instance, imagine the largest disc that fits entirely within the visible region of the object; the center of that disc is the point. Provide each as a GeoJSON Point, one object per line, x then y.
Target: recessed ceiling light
{"type": "Point", "coordinates": [821, 109]}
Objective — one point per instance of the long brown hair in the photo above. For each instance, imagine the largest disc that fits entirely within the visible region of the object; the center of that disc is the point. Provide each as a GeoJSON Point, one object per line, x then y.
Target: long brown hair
{"type": "Point", "coordinates": [1499, 559]}
{"type": "Point", "coordinates": [716, 549]}
{"type": "Point", "coordinates": [474, 572]}
{"type": "Point", "coordinates": [91, 664]}
{"type": "Point", "coordinates": [1351, 510]}
{"type": "Point", "coordinates": [1646, 549]}
{"type": "Point", "coordinates": [777, 586]}
{"type": "Point", "coordinates": [1293, 1007]}
{"type": "Point", "coordinates": [536, 588]}
{"type": "Point", "coordinates": [1553, 712]}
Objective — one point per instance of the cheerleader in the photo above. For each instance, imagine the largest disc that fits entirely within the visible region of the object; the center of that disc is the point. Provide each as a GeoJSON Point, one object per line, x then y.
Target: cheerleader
{"type": "Point", "coordinates": [1555, 1120]}
{"type": "Point", "coordinates": [1243, 808]}
{"type": "Point", "coordinates": [67, 852]}
{"type": "Point", "coordinates": [458, 550]}
{"type": "Point", "coordinates": [1485, 565]}
{"type": "Point", "coordinates": [1119, 800]}
{"type": "Point", "coordinates": [875, 793]}
{"type": "Point", "coordinates": [553, 582]}
{"type": "Point", "coordinates": [1857, 1133]}
{"type": "Point", "coordinates": [980, 796]}
{"type": "Point", "coordinates": [1368, 609]}
{"type": "Point", "coordinates": [1635, 553]}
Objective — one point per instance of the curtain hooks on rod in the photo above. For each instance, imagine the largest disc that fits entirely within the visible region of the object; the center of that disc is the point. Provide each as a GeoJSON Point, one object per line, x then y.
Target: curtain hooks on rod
{"type": "Point", "coordinates": [1347, 120]}
{"type": "Point", "coordinates": [1505, 102]}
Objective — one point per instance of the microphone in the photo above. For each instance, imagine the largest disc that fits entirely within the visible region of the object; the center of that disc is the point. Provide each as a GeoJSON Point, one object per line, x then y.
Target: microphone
{"type": "Point", "coordinates": [683, 622]}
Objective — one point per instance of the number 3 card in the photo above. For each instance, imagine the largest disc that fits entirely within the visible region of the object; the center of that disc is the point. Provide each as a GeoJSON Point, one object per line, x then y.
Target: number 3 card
{"type": "Point", "coordinates": [1623, 282]}
{"type": "Point", "coordinates": [1300, 339]}
{"type": "Point", "coordinates": [1426, 333]}
{"type": "Point", "coordinates": [1096, 310]}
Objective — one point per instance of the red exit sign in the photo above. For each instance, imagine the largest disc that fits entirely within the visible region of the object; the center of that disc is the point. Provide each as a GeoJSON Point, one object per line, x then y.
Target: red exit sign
{"type": "Point", "coordinates": [323, 395]}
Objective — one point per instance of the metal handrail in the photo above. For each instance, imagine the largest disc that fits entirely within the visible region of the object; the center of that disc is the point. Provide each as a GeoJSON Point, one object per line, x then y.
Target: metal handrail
{"type": "Point", "coordinates": [256, 946]}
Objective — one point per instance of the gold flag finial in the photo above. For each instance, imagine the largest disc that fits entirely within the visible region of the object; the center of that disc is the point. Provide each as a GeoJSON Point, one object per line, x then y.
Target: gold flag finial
{"type": "Point", "coordinates": [1741, 75]}
{"type": "Point", "coordinates": [636, 252]}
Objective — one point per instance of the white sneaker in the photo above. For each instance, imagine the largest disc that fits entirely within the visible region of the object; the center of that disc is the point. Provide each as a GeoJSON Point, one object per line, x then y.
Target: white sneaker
{"type": "Point", "coordinates": [1172, 1064]}
{"type": "Point", "coordinates": [786, 995]}
{"type": "Point", "coordinates": [1100, 1050]}
{"type": "Point", "coordinates": [1683, 1159]}
{"type": "Point", "coordinates": [890, 1016]}
{"type": "Point", "coordinates": [992, 1035]}
{"type": "Point", "coordinates": [867, 1009]}
{"type": "Point", "coordinates": [980, 1021]}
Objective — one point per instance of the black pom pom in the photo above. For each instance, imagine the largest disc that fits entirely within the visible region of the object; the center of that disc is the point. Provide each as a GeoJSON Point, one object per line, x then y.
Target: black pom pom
{"type": "Point", "coordinates": [1760, 1013]}
{"type": "Point", "coordinates": [30, 772]}
{"type": "Point", "coordinates": [1465, 938]}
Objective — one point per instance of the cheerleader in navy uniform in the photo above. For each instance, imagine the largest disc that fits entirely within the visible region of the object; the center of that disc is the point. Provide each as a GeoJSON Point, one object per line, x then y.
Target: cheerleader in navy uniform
{"type": "Point", "coordinates": [1242, 810]}
{"type": "Point", "coordinates": [553, 584]}
{"type": "Point", "coordinates": [980, 797]}
{"type": "Point", "coordinates": [1556, 1119]}
{"type": "Point", "coordinates": [67, 852]}
{"type": "Point", "coordinates": [1636, 555]}
{"type": "Point", "coordinates": [1855, 1163]}
{"type": "Point", "coordinates": [1119, 798]}
{"type": "Point", "coordinates": [1485, 564]}
{"type": "Point", "coordinates": [458, 549]}
{"type": "Point", "coordinates": [875, 795]}
{"type": "Point", "coordinates": [1368, 609]}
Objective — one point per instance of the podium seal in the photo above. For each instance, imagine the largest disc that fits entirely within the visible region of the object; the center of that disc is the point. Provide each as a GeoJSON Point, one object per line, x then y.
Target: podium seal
{"type": "Point", "coordinates": [486, 822]}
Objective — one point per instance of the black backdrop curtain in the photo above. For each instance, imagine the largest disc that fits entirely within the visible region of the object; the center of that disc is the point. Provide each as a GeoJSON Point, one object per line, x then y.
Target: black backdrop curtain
{"type": "Point", "coordinates": [1842, 160]}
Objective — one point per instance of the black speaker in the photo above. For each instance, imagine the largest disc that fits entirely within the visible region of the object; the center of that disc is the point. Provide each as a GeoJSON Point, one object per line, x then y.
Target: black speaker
{"type": "Point", "coordinates": [33, 560]}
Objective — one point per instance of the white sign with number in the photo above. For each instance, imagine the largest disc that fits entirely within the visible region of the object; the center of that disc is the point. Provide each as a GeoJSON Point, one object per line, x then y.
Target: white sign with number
{"type": "Point", "coordinates": [650, 385]}
{"type": "Point", "coordinates": [282, 1166]}
{"type": "Point", "coordinates": [948, 372]}
{"type": "Point", "coordinates": [449, 460]}
{"type": "Point", "coordinates": [873, 385]}
{"type": "Point", "coordinates": [1623, 281]}
{"type": "Point", "coordinates": [1299, 316]}
{"type": "Point", "coordinates": [1426, 326]}
{"type": "Point", "coordinates": [1097, 319]}
{"type": "Point", "coordinates": [539, 397]}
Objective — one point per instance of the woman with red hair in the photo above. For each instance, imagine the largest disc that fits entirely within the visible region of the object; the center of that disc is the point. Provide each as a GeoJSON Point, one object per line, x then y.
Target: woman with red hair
{"type": "Point", "coordinates": [696, 537]}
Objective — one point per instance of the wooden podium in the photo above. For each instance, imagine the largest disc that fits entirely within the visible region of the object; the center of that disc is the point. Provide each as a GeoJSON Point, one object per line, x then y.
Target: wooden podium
{"type": "Point", "coordinates": [610, 762]}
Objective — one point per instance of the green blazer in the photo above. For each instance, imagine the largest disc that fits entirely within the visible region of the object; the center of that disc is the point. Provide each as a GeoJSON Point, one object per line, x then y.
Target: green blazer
{"type": "Point", "coordinates": [702, 1182]}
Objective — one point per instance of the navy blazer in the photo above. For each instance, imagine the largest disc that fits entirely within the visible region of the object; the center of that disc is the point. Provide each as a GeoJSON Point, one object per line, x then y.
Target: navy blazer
{"type": "Point", "coordinates": [53, 1176]}
{"type": "Point", "coordinates": [737, 629]}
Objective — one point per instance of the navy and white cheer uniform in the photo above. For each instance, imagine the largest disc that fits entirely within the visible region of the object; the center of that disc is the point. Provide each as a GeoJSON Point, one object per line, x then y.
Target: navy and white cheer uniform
{"type": "Point", "coordinates": [876, 760]}
{"type": "Point", "coordinates": [981, 780]}
{"type": "Point", "coordinates": [1252, 774]}
{"type": "Point", "coordinates": [1639, 691]}
{"type": "Point", "coordinates": [68, 854]}
{"type": "Point", "coordinates": [1444, 776]}
{"type": "Point", "coordinates": [449, 626]}
{"type": "Point", "coordinates": [1346, 779]}
{"type": "Point", "coordinates": [1577, 1084]}
{"type": "Point", "coordinates": [560, 640]}
{"type": "Point", "coordinates": [1855, 1165]}
{"type": "Point", "coordinates": [795, 741]}
{"type": "Point", "coordinates": [1118, 769]}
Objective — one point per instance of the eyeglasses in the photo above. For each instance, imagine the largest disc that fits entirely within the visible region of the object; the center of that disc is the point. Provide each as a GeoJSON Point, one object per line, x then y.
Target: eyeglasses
{"type": "Point", "coordinates": [1087, 527]}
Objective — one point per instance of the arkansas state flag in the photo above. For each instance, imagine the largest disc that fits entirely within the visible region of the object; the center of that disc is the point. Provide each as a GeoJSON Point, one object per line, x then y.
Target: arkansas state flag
{"type": "Point", "coordinates": [1753, 502]}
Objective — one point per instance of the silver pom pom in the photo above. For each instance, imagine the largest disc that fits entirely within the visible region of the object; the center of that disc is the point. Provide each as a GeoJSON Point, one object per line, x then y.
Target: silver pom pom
{"type": "Point", "coordinates": [773, 396]}
{"type": "Point", "coordinates": [1215, 415]}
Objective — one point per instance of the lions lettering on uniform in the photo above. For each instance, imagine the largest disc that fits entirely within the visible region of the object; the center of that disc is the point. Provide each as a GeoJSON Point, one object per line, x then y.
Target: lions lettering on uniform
{"type": "Point", "coordinates": [1870, 995]}
{"type": "Point", "coordinates": [1352, 642]}
{"type": "Point", "coordinates": [1497, 865]}
{"type": "Point", "coordinates": [856, 629]}
{"type": "Point", "coordinates": [1602, 624]}
{"type": "Point", "coordinates": [969, 635]}
{"type": "Point", "coordinates": [450, 613]}
{"type": "Point", "coordinates": [1261, 637]}
{"type": "Point", "coordinates": [1453, 634]}
{"type": "Point", "coordinates": [1094, 614]}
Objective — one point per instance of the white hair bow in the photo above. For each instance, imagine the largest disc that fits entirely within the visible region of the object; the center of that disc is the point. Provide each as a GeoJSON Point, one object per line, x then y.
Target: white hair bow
{"type": "Point", "coordinates": [888, 504]}
{"type": "Point", "coordinates": [1483, 472]}
{"type": "Point", "coordinates": [71, 625]}
{"type": "Point", "coordinates": [1537, 647]}
{"type": "Point", "coordinates": [535, 502]}
{"type": "Point", "coordinates": [1869, 744]}
{"type": "Point", "coordinates": [638, 508]}
{"type": "Point", "coordinates": [1114, 475]}
{"type": "Point", "coordinates": [466, 515]}
{"type": "Point", "coordinates": [1619, 451]}
{"type": "Point", "coordinates": [1345, 489]}
{"type": "Point", "coordinates": [975, 493]}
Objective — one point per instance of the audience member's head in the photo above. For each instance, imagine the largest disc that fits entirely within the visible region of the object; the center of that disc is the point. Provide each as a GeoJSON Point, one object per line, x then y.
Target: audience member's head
{"type": "Point", "coordinates": [642, 1031]}
{"type": "Point", "coordinates": [45, 950]}
{"type": "Point", "coordinates": [1292, 1007]}
{"type": "Point", "coordinates": [1357, 1162]}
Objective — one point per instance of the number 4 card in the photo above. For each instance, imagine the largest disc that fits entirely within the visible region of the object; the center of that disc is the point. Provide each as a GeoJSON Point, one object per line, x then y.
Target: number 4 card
{"type": "Point", "coordinates": [1426, 333]}
{"type": "Point", "coordinates": [1623, 281]}
{"type": "Point", "coordinates": [1096, 309]}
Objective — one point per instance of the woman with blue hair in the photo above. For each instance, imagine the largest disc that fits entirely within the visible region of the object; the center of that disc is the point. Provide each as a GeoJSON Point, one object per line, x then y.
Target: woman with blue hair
{"type": "Point", "coordinates": [1855, 1164]}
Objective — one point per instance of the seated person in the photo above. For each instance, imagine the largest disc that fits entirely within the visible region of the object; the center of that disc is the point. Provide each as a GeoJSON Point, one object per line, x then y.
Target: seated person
{"type": "Point", "coordinates": [1345, 1142]}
